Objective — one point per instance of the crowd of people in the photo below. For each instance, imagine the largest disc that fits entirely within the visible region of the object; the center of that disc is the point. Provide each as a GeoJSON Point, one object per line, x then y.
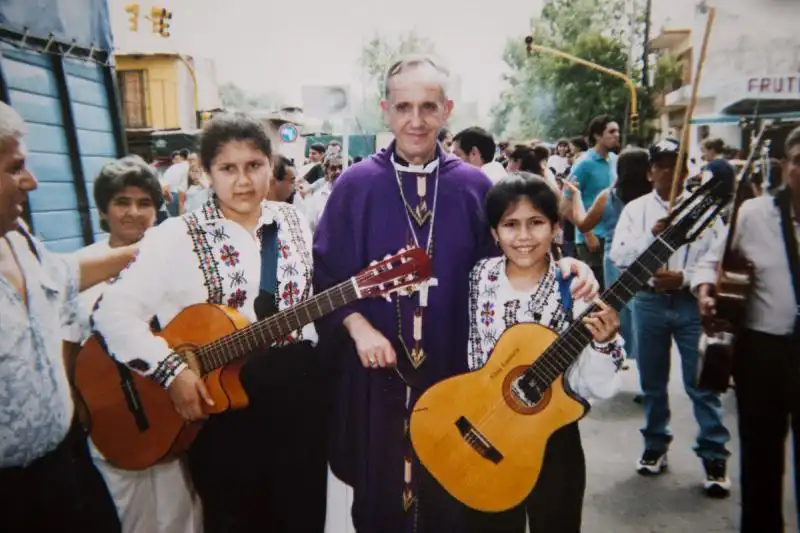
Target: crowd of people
{"type": "Point", "coordinates": [331, 402]}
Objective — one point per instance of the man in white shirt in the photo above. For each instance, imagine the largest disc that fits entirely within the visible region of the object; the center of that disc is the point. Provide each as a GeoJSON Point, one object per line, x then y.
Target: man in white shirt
{"type": "Point", "coordinates": [476, 147]}
{"type": "Point", "coordinates": [766, 362]}
{"type": "Point", "coordinates": [664, 311]}
{"type": "Point", "coordinates": [313, 204]}
{"type": "Point", "coordinates": [46, 479]}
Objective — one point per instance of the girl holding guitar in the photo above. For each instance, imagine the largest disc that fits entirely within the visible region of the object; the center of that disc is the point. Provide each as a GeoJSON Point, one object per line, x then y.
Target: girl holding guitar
{"type": "Point", "coordinates": [523, 286]}
{"type": "Point", "coordinates": [264, 467]}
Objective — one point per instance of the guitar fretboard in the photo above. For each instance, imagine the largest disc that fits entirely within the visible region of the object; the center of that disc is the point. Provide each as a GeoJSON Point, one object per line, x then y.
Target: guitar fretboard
{"type": "Point", "coordinates": [266, 331]}
{"type": "Point", "coordinates": [567, 348]}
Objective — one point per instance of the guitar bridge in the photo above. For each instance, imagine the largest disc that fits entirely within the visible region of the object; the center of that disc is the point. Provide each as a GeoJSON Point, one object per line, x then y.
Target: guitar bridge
{"type": "Point", "coordinates": [477, 441]}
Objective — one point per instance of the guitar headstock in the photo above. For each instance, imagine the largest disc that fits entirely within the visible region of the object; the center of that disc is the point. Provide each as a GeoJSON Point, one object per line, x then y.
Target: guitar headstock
{"type": "Point", "coordinates": [402, 271]}
{"type": "Point", "coordinates": [696, 213]}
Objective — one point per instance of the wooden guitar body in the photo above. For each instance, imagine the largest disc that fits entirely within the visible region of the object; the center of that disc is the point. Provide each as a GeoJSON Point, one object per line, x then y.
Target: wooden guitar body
{"type": "Point", "coordinates": [135, 442]}
{"type": "Point", "coordinates": [716, 350]}
{"type": "Point", "coordinates": [479, 438]}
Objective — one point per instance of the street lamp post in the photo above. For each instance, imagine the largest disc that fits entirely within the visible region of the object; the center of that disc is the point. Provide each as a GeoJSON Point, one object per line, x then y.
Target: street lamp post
{"type": "Point", "coordinates": [634, 115]}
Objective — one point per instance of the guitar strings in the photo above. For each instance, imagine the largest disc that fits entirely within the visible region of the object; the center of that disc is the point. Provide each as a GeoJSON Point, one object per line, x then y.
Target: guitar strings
{"type": "Point", "coordinates": [218, 351]}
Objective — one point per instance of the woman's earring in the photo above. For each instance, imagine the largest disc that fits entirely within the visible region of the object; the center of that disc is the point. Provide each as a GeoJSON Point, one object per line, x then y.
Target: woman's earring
{"type": "Point", "coordinates": [497, 242]}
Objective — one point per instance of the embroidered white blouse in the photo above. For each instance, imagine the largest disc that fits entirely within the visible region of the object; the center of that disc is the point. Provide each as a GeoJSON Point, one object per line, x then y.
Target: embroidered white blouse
{"type": "Point", "coordinates": [496, 306]}
{"type": "Point", "coordinates": [200, 257]}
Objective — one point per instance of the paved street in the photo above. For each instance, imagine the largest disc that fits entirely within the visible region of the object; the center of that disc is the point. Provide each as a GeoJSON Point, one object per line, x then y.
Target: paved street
{"type": "Point", "coordinates": [618, 500]}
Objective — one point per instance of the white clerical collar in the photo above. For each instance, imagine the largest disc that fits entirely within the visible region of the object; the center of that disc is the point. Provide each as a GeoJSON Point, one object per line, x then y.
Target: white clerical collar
{"type": "Point", "coordinates": [416, 169]}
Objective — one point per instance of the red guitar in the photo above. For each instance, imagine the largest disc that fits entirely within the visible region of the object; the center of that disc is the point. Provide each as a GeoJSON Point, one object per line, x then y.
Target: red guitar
{"type": "Point", "coordinates": [132, 420]}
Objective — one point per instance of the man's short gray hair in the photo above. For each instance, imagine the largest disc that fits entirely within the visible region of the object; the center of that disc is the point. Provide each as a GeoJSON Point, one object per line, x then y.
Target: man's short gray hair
{"type": "Point", "coordinates": [332, 158]}
{"type": "Point", "coordinates": [411, 61]}
{"type": "Point", "coordinates": [11, 124]}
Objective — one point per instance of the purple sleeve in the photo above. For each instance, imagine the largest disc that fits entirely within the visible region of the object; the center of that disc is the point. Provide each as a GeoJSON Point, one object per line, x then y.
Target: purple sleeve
{"type": "Point", "coordinates": [486, 243]}
{"type": "Point", "coordinates": [337, 248]}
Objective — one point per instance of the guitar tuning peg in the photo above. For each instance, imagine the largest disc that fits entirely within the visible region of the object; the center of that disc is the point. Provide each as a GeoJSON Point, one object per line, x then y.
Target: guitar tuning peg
{"type": "Point", "coordinates": [373, 263]}
{"type": "Point", "coordinates": [388, 298]}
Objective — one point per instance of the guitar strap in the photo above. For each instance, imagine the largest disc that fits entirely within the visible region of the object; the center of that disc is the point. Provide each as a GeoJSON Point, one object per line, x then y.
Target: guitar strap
{"type": "Point", "coordinates": [265, 304]}
{"type": "Point", "coordinates": [783, 201]}
{"type": "Point", "coordinates": [566, 295]}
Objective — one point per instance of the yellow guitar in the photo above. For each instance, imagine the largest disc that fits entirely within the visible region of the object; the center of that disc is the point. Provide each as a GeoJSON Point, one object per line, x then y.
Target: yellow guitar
{"type": "Point", "coordinates": [483, 435]}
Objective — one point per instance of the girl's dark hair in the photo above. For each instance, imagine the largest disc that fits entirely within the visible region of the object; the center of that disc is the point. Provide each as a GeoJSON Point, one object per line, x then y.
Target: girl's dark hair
{"type": "Point", "coordinates": [227, 127]}
{"type": "Point", "coordinates": [281, 166]}
{"type": "Point", "coordinates": [516, 186]}
{"type": "Point", "coordinates": [114, 177]}
{"type": "Point", "coordinates": [632, 167]}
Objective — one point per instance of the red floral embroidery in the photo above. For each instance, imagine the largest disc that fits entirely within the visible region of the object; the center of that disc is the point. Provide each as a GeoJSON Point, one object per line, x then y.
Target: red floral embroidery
{"type": "Point", "coordinates": [290, 293]}
{"type": "Point", "coordinates": [229, 255]}
{"type": "Point", "coordinates": [284, 249]}
{"type": "Point", "coordinates": [487, 313]}
{"type": "Point", "coordinates": [237, 299]}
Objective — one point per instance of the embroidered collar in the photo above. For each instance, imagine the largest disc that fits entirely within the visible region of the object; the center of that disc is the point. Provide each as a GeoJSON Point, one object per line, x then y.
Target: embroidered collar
{"type": "Point", "coordinates": [210, 213]}
{"type": "Point", "coordinates": [402, 165]}
{"type": "Point", "coordinates": [549, 275]}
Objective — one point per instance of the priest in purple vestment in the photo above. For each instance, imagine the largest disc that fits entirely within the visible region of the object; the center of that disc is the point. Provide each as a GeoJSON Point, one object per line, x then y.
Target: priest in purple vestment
{"type": "Point", "coordinates": [386, 353]}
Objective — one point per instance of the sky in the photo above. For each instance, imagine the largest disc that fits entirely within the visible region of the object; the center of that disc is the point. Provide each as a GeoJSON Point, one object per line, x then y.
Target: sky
{"type": "Point", "coordinates": [280, 45]}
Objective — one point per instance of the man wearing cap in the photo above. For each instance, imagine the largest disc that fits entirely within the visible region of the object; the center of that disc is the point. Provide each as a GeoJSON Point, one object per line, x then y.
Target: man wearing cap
{"type": "Point", "coordinates": [667, 310]}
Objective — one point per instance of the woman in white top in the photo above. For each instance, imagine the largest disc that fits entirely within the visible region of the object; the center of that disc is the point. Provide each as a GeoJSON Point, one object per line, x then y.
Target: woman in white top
{"type": "Point", "coordinates": [262, 468]}
{"type": "Point", "coordinates": [197, 192]}
{"type": "Point", "coordinates": [159, 499]}
{"type": "Point", "coordinates": [523, 286]}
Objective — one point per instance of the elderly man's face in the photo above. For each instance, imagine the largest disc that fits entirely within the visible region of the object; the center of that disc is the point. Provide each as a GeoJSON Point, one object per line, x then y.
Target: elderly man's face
{"type": "Point", "coordinates": [15, 183]}
{"type": "Point", "coordinates": [416, 111]}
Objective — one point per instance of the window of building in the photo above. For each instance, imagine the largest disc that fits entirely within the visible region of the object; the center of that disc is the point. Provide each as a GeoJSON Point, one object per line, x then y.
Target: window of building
{"type": "Point", "coordinates": [134, 101]}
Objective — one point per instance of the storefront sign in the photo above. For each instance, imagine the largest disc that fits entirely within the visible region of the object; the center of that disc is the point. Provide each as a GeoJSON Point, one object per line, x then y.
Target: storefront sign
{"type": "Point", "coordinates": [777, 87]}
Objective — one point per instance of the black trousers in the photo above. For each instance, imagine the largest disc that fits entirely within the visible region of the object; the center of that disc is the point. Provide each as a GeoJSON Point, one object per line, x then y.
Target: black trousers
{"type": "Point", "coordinates": [264, 468]}
{"type": "Point", "coordinates": [556, 503]}
{"type": "Point", "coordinates": [767, 376]}
{"type": "Point", "coordinates": [60, 491]}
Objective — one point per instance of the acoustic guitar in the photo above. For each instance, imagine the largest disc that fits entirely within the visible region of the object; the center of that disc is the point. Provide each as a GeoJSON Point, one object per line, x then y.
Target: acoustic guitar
{"type": "Point", "coordinates": [731, 291]}
{"type": "Point", "coordinates": [483, 435]}
{"type": "Point", "coordinates": [132, 420]}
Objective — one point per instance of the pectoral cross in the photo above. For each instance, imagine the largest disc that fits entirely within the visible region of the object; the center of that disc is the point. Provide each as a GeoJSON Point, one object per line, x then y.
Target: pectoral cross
{"type": "Point", "coordinates": [423, 290]}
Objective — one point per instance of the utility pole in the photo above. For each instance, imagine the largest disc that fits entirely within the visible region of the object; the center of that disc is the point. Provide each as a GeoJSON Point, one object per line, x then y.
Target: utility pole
{"type": "Point", "coordinates": [646, 52]}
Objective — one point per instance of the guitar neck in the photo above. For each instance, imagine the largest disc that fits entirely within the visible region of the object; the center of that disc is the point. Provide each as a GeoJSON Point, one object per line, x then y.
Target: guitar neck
{"type": "Point", "coordinates": [275, 327]}
{"type": "Point", "coordinates": [568, 347]}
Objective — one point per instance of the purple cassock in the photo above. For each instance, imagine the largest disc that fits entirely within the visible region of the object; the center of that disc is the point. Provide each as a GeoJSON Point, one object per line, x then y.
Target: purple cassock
{"type": "Point", "coordinates": [364, 220]}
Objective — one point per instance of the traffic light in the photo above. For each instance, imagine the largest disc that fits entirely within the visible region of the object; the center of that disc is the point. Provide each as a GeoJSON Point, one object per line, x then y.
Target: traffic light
{"type": "Point", "coordinates": [161, 18]}
{"type": "Point", "coordinates": [133, 11]}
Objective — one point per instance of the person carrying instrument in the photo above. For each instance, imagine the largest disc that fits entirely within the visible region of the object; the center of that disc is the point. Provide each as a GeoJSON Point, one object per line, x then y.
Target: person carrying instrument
{"type": "Point", "coordinates": [157, 500]}
{"type": "Point", "coordinates": [522, 286]}
{"type": "Point", "coordinates": [766, 358]}
{"type": "Point", "coordinates": [261, 468]}
{"type": "Point", "coordinates": [393, 352]}
{"type": "Point", "coordinates": [667, 310]}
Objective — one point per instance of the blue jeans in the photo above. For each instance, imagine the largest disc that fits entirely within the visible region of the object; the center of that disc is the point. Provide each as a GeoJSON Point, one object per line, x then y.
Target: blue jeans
{"type": "Point", "coordinates": [627, 327]}
{"type": "Point", "coordinates": [659, 318]}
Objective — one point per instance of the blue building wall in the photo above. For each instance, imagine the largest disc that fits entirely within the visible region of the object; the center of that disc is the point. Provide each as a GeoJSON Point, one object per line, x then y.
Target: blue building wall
{"type": "Point", "coordinates": [71, 135]}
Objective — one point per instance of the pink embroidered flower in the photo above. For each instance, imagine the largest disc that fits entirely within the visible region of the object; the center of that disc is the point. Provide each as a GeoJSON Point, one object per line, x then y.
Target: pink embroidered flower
{"type": "Point", "coordinates": [284, 249]}
{"type": "Point", "coordinates": [237, 299]}
{"type": "Point", "coordinates": [487, 313]}
{"type": "Point", "coordinates": [290, 293]}
{"type": "Point", "coordinates": [493, 276]}
{"type": "Point", "coordinates": [229, 255]}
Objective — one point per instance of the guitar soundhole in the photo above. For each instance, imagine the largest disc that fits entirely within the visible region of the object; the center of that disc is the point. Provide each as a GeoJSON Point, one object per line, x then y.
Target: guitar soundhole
{"type": "Point", "coordinates": [523, 395]}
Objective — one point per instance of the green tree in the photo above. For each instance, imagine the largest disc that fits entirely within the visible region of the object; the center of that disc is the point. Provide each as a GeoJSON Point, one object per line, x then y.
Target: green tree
{"type": "Point", "coordinates": [550, 97]}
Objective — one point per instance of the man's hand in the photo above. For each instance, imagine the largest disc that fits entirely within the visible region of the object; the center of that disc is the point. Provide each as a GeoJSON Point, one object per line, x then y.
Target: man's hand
{"type": "Point", "coordinates": [374, 350]}
{"type": "Point", "coordinates": [585, 285]}
{"type": "Point", "coordinates": [667, 280]}
{"type": "Point", "coordinates": [659, 227]}
{"type": "Point", "coordinates": [188, 392]}
{"type": "Point", "coordinates": [592, 242]}
{"type": "Point", "coordinates": [706, 301]}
